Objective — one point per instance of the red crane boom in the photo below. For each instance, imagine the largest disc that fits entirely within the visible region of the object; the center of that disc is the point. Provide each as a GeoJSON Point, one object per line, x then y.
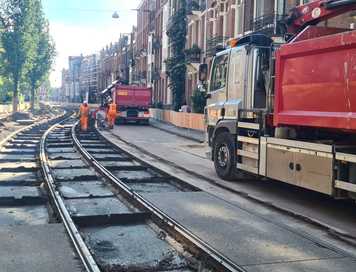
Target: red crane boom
{"type": "Point", "coordinates": [315, 12]}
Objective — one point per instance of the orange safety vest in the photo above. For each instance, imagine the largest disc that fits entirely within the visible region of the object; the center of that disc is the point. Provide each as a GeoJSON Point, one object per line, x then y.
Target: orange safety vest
{"type": "Point", "coordinates": [84, 111]}
{"type": "Point", "coordinates": [112, 109]}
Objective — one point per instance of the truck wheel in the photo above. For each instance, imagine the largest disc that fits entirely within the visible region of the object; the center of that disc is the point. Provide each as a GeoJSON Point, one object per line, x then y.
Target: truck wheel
{"type": "Point", "coordinates": [224, 156]}
{"type": "Point", "coordinates": [145, 122]}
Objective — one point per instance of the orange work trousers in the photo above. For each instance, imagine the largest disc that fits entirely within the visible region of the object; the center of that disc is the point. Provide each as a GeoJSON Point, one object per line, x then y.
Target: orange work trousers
{"type": "Point", "coordinates": [84, 123]}
{"type": "Point", "coordinates": [111, 120]}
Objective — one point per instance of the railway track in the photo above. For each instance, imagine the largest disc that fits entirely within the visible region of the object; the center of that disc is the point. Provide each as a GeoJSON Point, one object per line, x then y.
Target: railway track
{"type": "Point", "coordinates": [96, 191]}
{"type": "Point", "coordinates": [99, 194]}
{"type": "Point", "coordinates": [102, 195]}
{"type": "Point", "coordinates": [20, 181]}
{"type": "Point", "coordinates": [30, 237]}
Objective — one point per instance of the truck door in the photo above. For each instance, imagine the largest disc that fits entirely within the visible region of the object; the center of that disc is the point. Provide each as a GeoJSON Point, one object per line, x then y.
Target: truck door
{"type": "Point", "coordinates": [217, 89]}
{"type": "Point", "coordinates": [236, 82]}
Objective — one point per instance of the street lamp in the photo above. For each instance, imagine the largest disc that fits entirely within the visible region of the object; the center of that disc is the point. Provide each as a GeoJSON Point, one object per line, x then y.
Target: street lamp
{"type": "Point", "coordinates": [115, 15]}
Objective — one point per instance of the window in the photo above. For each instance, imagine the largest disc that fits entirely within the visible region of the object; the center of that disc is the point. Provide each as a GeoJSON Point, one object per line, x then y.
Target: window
{"type": "Point", "coordinates": [237, 73]}
{"type": "Point", "coordinates": [263, 8]}
{"type": "Point", "coordinates": [219, 73]}
{"type": "Point", "coordinates": [261, 76]}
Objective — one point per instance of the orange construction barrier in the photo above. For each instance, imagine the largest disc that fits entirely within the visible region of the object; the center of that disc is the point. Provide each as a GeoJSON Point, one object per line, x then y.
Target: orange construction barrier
{"type": "Point", "coordinates": [84, 116]}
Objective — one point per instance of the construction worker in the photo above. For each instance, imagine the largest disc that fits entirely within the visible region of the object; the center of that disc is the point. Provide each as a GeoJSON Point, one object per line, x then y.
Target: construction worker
{"type": "Point", "coordinates": [84, 116]}
{"type": "Point", "coordinates": [111, 114]}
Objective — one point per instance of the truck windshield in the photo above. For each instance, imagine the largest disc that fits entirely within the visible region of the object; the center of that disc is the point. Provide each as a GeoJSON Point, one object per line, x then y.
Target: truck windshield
{"type": "Point", "coordinates": [219, 73]}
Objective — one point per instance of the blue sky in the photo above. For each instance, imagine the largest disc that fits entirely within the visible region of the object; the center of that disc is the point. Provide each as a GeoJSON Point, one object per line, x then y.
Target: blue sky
{"type": "Point", "coordinates": [85, 26]}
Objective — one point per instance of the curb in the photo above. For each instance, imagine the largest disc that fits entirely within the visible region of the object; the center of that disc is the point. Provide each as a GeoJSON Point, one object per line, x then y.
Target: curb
{"type": "Point", "coordinates": [182, 132]}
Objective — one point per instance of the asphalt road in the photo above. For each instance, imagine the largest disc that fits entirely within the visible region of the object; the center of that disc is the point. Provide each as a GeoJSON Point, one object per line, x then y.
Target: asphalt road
{"type": "Point", "coordinates": [186, 154]}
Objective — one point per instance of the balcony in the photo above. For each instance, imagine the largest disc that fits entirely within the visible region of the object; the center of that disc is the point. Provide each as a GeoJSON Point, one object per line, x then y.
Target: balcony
{"type": "Point", "coordinates": [269, 24]}
{"type": "Point", "coordinates": [215, 44]}
{"type": "Point", "coordinates": [193, 54]}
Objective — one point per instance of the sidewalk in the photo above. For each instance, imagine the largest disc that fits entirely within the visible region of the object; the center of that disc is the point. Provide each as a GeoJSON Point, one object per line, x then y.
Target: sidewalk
{"type": "Point", "coordinates": [191, 134]}
{"type": "Point", "coordinates": [178, 153]}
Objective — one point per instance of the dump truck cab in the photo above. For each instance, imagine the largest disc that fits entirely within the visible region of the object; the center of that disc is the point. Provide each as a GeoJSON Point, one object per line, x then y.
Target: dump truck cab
{"type": "Point", "coordinates": [240, 79]}
{"type": "Point", "coordinates": [287, 112]}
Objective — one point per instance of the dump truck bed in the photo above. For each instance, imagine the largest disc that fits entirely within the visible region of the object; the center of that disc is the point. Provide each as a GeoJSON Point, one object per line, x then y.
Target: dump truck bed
{"type": "Point", "coordinates": [133, 96]}
{"type": "Point", "coordinates": [316, 83]}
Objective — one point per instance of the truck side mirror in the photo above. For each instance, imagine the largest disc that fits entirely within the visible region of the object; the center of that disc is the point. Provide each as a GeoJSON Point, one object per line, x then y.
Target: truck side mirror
{"type": "Point", "coordinates": [203, 72]}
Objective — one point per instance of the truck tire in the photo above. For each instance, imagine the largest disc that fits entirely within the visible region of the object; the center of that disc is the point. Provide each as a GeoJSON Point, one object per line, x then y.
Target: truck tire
{"type": "Point", "coordinates": [224, 156]}
{"type": "Point", "coordinates": [145, 122]}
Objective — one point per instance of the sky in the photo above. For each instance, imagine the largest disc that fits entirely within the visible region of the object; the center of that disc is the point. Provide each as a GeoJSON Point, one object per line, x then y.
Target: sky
{"type": "Point", "coordinates": [85, 27]}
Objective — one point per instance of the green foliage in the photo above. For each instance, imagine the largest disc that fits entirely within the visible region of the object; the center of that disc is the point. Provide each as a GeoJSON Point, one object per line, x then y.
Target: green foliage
{"type": "Point", "coordinates": [27, 51]}
{"type": "Point", "coordinates": [198, 101]}
{"type": "Point", "coordinates": [44, 57]}
{"type": "Point", "coordinates": [176, 66]}
{"type": "Point", "coordinates": [5, 94]}
{"type": "Point", "coordinates": [5, 89]}
{"type": "Point", "coordinates": [17, 42]}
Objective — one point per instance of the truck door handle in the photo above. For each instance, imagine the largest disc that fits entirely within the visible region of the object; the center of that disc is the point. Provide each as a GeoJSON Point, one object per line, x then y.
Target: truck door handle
{"type": "Point", "coordinates": [222, 112]}
{"type": "Point", "coordinates": [298, 167]}
{"type": "Point", "coordinates": [291, 166]}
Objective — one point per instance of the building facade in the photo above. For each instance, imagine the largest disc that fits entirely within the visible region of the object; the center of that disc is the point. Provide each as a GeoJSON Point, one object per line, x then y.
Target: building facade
{"type": "Point", "coordinates": [89, 78]}
{"type": "Point", "coordinates": [159, 46]}
{"type": "Point", "coordinates": [145, 29]}
{"type": "Point", "coordinates": [139, 57]}
{"type": "Point", "coordinates": [65, 92]}
{"type": "Point", "coordinates": [71, 80]}
{"type": "Point", "coordinates": [212, 23]}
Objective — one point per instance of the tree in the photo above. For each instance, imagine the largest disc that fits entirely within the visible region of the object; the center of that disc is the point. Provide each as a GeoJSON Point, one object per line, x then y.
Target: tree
{"type": "Point", "coordinates": [44, 53]}
{"type": "Point", "coordinates": [176, 65]}
{"type": "Point", "coordinates": [18, 20]}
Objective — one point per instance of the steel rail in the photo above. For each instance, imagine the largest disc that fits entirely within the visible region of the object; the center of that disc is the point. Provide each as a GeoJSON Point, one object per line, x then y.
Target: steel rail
{"type": "Point", "coordinates": [13, 134]}
{"type": "Point", "coordinates": [78, 242]}
{"type": "Point", "coordinates": [216, 256]}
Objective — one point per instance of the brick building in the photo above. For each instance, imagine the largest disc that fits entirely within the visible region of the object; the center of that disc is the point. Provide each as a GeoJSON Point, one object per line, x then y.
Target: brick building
{"type": "Point", "coordinates": [159, 45]}
{"type": "Point", "coordinates": [115, 61]}
{"type": "Point", "coordinates": [139, 57]}
{"type": "Point", "coordinates": [145, 28]}
{"type": "Point", "coordinates": [211, 23]}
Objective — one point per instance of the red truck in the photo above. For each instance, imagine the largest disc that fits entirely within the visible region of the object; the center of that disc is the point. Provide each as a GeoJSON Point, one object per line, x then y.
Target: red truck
{"type": "Point", "coordinates": [288, 111]}
{"type": "Point", "coordinates": [133, 103]}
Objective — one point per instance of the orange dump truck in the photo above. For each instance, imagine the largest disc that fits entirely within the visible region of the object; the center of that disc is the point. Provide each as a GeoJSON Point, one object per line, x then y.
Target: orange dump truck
{"type": "Point", "coordinates": [133, 103]}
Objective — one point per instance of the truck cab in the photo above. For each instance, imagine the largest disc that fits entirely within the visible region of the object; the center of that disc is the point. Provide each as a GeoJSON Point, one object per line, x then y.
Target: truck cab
{"type": "Point", "coordinates": [239, 86]}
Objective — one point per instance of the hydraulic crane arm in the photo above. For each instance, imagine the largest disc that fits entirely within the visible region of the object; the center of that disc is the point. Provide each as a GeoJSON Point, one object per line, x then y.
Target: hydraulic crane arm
{"type": "Point", "coordinates": [315, 12]}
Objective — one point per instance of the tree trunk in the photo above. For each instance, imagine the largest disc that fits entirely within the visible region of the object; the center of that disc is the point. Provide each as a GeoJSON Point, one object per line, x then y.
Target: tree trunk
{"type": "Point", "coordinates": [33, 92]}
{"type": "Point", "coordinates": [15, 98]}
